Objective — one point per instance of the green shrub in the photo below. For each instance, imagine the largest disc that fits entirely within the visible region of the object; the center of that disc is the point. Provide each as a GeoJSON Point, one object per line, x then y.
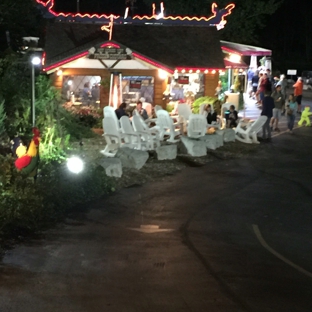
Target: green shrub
{"type": "Point", "coordinates": [169, 108]}
{"type": "Point", "coordinates": [26, 207]}
{"type": "Point", "coordinates": [2, 118]}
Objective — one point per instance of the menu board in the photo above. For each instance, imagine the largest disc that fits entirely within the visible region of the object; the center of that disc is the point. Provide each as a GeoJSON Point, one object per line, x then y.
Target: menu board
{"type": "Point", "coordinates": [183, 80]}
{"type": "Point", "coordinates": [135, 84]}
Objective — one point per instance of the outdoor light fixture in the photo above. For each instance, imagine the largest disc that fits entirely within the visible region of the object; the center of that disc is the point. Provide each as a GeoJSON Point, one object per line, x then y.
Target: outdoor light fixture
{"type": "Point", "coordinates": [213, 71]}
{"type": "Point", "coordinates": [190, 71]}
{"type": "Point", "coordinates": [162, 74]}
{"type": "Point", "coordinates": [59, 72]}
{"type": "Point", "coordinates": [235, 58]}
{"type": "Point", "coordinates": [69, 82]}
{"type": "Point", "coordinates": [183, 71]}
{"type": "Point", "coordinates": [35, 61]}
{"type": "Point", "coordinates": [206, 71]}
{"type": "Point", "coordinates": [75, 164]}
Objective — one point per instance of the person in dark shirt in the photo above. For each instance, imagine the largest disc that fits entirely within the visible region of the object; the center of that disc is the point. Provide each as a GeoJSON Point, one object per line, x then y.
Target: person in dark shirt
{"type": "Point", "coordinates": [210, 116]}
{"type": "Point", "coordinates": [254, 83]}
{"type": "Point", "coordinates": [121, 110]}
{"type": "Point", "coordinates": [231, 117]}
{"type": "Point", "coordinates": [267, 110]}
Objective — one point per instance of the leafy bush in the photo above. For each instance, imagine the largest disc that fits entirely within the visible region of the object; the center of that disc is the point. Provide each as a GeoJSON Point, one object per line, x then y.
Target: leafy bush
{"type": "Point", "coordinates": [169, 108]}
{"type": "Point", "coordinates": [88, 116]}
{"type": "Point", "coordinates": [26, 207]}
{"type": "Point", "coordinates": [2, 118]}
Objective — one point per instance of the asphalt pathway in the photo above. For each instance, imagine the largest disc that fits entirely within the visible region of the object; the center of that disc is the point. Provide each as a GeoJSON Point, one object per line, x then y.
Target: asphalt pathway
{"type": "Point", "coordinates": [234, 235]}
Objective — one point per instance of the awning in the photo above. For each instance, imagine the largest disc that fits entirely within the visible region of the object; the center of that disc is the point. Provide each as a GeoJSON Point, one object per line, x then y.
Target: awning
{"type": "Point", "coordinates": [243, 49]}
{"type": "Point", "coordinates": [229, 64]}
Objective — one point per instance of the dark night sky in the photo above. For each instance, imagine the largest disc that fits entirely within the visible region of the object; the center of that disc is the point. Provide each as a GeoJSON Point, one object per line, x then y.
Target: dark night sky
{"type": "Point", "coordinates": [287, 31]}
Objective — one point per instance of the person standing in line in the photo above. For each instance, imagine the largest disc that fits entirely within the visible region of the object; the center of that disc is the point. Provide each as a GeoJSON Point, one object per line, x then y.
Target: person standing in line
{"type": "Point", "coordinates": [298, 89]}
{"type": "Point", "coordinates": [278, 106]}
{"type": "Point", "coordinates": [254, 83]}
{"type": "Point", "coordinates": [292, 108]}
{"type": "Point", "coordinates": [267, 110]}
{"type": "Point", "coordinates": [260, 91]}
{"type": "Point", "coordinates": [284, 85]}
{"type": "Point", "coordinates": [250, 74]}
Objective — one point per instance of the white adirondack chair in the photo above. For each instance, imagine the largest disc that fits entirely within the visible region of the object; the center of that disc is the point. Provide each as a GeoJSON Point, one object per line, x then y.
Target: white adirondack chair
{"type": "Point", "coordinates": [202, 110]}
{"type": "Point", "coordinates": [112, 137]}
{"type": "Point", "coordinates": [132, 138]}
{"type": "Point", "coordinates": [184, 111]}
{"type": "Point", "coordinates": [148, 108]}
{"type": "Point", "coordinates": [150, 137]}
{"type": "Point", "coordinates": [157, 108]}
{"type": "Point", "coordinates": [197, 126]}
{"type": "Point", "coordinates": [174, 112]}
{"type": "Point", "coordinates": [109, 111]}
{"type": "Point", "coordinates": [166, 126]}
{"type": "Point", "coordinates": [247, 132]}
{"type": "Point", "coordinates": [146, 122]}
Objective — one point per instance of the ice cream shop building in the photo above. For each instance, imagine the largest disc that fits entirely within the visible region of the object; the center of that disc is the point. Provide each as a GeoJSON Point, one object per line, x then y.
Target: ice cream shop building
{"type": "Point", "coordinates": [126, 58]}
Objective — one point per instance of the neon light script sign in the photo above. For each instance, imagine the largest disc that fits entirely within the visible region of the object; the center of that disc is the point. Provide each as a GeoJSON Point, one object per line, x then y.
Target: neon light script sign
{"type": "Point", "coordinates": [218, 17]}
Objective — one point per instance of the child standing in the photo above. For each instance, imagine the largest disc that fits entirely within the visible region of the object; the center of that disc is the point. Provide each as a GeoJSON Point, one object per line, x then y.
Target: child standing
{"type": "Point", "coordinates": [292, 108]}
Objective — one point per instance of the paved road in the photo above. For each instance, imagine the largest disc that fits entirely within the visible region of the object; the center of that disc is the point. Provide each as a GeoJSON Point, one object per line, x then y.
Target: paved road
{"type": "Point", "coordinates": [233, 236]}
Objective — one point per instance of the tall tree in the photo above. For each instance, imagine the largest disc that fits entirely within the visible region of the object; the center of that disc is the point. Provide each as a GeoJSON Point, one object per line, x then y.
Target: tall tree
{"type": "Point", "coordinates": [247, 18]}
{"type": "Point", "coordinates": [18, 18]}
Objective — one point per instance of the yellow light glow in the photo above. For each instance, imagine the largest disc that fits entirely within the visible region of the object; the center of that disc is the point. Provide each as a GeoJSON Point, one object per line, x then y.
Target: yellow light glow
{"type": "Point", "coordinates": [162, 74]}
{"type": "Point", "coordinates": [197, 71]}
{"type": "Point", "coordinates": [59, 72]}
{"type": "Point", "coordinates": [115, 96]}
{"type": "Point", "coordinates": [206, 71]}
{"type": "Point", "coordinates": [183, 71]}
{"type": "Point", "coordinates": [235, 58]}
{"type": "Point", "coordinates": [213, 71]}
{"type": "Point", "coordinates": [190, 71]}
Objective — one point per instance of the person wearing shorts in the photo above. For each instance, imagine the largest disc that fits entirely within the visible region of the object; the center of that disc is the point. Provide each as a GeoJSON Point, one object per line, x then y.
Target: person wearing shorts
{"type": "Point", "coordinates": [298, 89]}
{"type": "Point", "coordinates": [277, 110]}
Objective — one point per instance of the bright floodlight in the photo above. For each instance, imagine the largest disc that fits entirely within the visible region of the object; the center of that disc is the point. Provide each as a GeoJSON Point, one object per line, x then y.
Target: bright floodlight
{"type": "Point", "coordinates": [36, 60]}
{"type": "Point", "coordinates": [75, 164]}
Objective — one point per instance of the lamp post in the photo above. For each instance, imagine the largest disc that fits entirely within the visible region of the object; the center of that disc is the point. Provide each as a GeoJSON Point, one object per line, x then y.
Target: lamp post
{"type": "Point", "coordinates": [35, 60]}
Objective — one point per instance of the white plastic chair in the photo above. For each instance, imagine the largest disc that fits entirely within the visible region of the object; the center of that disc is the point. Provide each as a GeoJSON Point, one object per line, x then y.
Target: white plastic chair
{"type": "Point", "coordinates": [150, 137]}
{"type": "Point", "coordinates": [146, 122]}
{"type": "Point", "coordinates": [148, 108]}
{"type": "Point", "coordinates": [225, 107]}
{"type": "Point", "coordinates": [132, 138]}
{"type": "Point", "coordinates": [166, 126]}
{"type": "Point", "coordinates": [197, 126]}
{"type": "Point", "coordinates": [202, 110]}
{"type": "Point", "coordinates": [157, 108]}
{"type": "Point", "coordinates": [184, 111]}
{"type": "Point", "coordinates": [112, 137]}
{"type": "Point", "coordinates": [247, 132]}
{"type": "Point", "coordinates": [109, 111]}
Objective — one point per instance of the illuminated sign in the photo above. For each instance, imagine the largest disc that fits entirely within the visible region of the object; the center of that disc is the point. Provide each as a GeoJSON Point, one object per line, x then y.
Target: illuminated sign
{"type": "Point", "coordinates": [218, 17]}
{"type": "Point", "coordinates": [110, 54]}
{"type": "Point", "coordinates": [183, 80]}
